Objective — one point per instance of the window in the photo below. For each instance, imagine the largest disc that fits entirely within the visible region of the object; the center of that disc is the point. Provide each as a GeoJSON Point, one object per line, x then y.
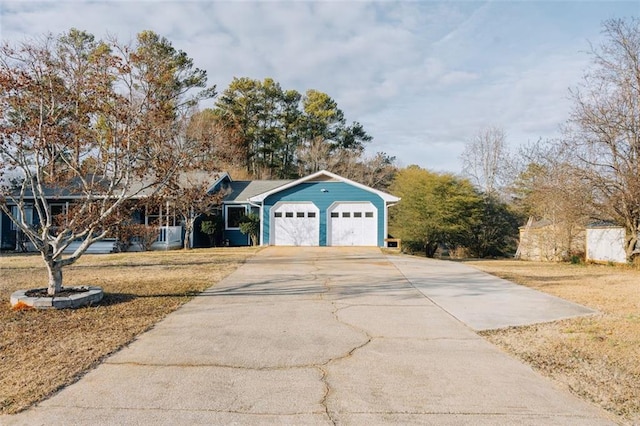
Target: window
{"type": "Point", "coordinates": [288, 214]}
{"type": "Point", "coordinates": [368, 214]}
{"type": "Point", "coordinates": [357, 214]}
{"type": "Point", "coordinates": [28, 211]}
{"type": "Point", "coordinates": [277, 214]}
{"type": "Point", "coordinates": [311, 214]}
{"type": "Point", "coordinates": [153, 216]}
{"type": "Point", "coordinates": [299, 214]}
{"type": "Point", "coordinates": [58, 214]}
{"type": "Point", "coordinates": [346, 214]}
{"type": "Point", "coordinates": [234, 215]}
{"type": "Point", "coordinates": [335, 214]}
{"type": "Point", "coordinates": [161, 216]}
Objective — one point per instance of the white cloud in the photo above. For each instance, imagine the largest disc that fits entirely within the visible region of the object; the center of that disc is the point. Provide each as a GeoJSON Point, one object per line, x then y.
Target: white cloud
{"type": "Point", "coordinates": [422, 77]}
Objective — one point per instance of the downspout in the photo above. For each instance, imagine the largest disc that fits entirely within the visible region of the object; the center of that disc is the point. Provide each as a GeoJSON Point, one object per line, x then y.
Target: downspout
{"type": "Point", "coordinates": [261, 220]}
{"type": "Point", "coordinates": [386, 221]}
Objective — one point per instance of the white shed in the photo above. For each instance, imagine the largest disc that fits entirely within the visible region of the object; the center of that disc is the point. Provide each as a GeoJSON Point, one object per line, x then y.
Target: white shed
{"type": "Point", "coordinates": [606, 244]}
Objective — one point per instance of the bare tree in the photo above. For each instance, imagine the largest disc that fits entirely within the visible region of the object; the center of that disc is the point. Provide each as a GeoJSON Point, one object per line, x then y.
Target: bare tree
{"type": "Point", "coordinates": [485, 160]}
{"type": "Point", "coordinates": [191, 197]}
{"type": "Point", "coordinates": [315, 156]}
{"type": "Point", "coordinates": [550, 189]}
{"type": "Point", "coordinates": [603, 133]}
{"type": "Point", "coordinates": [377, 171]}
{"type": "Point", "coordinates": [92, 122]}
{"type": "Point", "coordinates": [219, 141]}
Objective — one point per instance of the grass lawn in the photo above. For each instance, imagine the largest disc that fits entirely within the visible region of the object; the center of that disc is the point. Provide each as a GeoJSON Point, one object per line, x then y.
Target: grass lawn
{"type": "Point", "coordinates": [597, 357]}
{"type": "Point", "coordinates": [42, 351]}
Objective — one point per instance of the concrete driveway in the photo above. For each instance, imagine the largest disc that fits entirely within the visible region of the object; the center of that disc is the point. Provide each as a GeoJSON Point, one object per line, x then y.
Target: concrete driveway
{"type": "Point", "coordinates": [315, 336]}
{"type": "Point", "coordinates": [480, 300]}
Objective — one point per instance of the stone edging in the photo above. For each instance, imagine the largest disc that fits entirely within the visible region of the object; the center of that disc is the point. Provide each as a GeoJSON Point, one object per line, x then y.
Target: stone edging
{"type": "Point", "coordinates": [89, 295]}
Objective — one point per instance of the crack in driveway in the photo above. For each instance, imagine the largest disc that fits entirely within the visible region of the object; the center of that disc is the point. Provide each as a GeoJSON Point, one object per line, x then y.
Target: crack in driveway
{"type": "Point", "coordinates": [323, 367]}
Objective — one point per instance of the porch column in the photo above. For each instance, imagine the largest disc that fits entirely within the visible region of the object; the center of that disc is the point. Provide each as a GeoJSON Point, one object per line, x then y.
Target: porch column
{"type": "Point", "coordinates": [167, 205]}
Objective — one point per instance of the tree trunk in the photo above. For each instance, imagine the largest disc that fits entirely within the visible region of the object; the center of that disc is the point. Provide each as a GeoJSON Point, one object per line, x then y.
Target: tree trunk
{"type": "Point", "coordinates": [631, 241]}
{"type": "Point", "coordinates": [54, 271]}
{"type": "Point", "coordinates": [430, 249]}
{"type": "Point", "coordinates": [188, 226]}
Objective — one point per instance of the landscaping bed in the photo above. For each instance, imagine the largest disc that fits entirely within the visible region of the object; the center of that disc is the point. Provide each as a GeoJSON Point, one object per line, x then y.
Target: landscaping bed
{"type": "Point", "coordinates": [596, 357]}
{"type": "Point", "coordinates": [45, 350]}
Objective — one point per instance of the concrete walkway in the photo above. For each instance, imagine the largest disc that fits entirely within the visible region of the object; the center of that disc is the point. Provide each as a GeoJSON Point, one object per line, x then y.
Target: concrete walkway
{"type": "Point", "coordinates": [314, 336]}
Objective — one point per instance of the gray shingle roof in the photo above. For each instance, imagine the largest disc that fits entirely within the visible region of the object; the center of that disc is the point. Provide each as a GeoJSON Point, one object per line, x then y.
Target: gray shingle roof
{"type": "Point", "coordinates": [242, 190]}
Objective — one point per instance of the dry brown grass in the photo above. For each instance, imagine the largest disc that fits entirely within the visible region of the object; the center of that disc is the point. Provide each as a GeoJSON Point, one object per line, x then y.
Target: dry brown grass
{"type": "Point", "coordinates": [597, 357]}
{"type": "Point", "coordinates": [42, 351]}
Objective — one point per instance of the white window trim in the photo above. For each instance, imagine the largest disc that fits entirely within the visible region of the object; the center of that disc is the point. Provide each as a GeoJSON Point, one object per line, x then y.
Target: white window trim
{"type": "Point", "coordinates": [226, 216]}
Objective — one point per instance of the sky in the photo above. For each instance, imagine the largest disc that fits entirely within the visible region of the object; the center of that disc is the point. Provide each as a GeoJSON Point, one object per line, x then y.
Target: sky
{"type": "Point", "coordinates": [422, 77]}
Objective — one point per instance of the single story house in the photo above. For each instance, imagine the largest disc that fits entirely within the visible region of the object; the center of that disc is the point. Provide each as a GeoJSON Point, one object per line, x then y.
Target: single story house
{"type": "Point", "coordinates": [321, 209]}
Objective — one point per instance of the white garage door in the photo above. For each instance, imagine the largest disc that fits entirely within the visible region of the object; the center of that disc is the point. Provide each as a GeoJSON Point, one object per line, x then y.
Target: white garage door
{"type": "Point", "coordinates": [353, 224]}
{"type": "Point", "coordinates": [295, 224]}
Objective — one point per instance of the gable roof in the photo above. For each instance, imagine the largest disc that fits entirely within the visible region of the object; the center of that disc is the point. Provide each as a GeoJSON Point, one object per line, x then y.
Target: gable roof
{"type": "Point", "coordinates": [322, 176]}
{"type": "Point", "coordinates": [183, 179]}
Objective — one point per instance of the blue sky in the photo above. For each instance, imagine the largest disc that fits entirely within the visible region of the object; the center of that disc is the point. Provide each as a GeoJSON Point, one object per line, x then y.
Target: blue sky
{"type": "Point", "coordinates": [422, 77]}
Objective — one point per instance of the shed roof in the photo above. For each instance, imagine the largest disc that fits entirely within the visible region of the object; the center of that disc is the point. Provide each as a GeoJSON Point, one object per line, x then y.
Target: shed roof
{"type": "Point", "coordinates": [603, 224]}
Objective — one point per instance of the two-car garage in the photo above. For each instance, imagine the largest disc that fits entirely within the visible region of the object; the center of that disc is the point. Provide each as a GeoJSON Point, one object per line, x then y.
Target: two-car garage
{"type": "Point", "coordinates": [323, 209]}
{"type": "Point", "coordinates": [347, 224]}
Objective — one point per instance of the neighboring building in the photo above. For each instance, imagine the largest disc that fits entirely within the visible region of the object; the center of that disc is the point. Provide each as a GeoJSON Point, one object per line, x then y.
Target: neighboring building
{"type": "Point", "coordinates": [544, 240]}
{"type": "Point", "coordinates": [605, 243]}
{"type": "Point", "coordinates": [322, 209]}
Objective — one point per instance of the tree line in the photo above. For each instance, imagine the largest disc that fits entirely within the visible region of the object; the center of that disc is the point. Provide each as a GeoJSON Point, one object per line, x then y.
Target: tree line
{"type": "Point", "coordinates": [106, 121]}
{"type": "Point", "coordinates": [275, 133]}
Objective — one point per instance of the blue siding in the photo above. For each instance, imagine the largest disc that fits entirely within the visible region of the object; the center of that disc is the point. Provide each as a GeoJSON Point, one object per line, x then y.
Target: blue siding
{"type": "Point", "coordinates": [335, 191]}
{"type": "Point", "coordinates": [236, 238]}
{"type": "Point", "coordinates": [7, 236]}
